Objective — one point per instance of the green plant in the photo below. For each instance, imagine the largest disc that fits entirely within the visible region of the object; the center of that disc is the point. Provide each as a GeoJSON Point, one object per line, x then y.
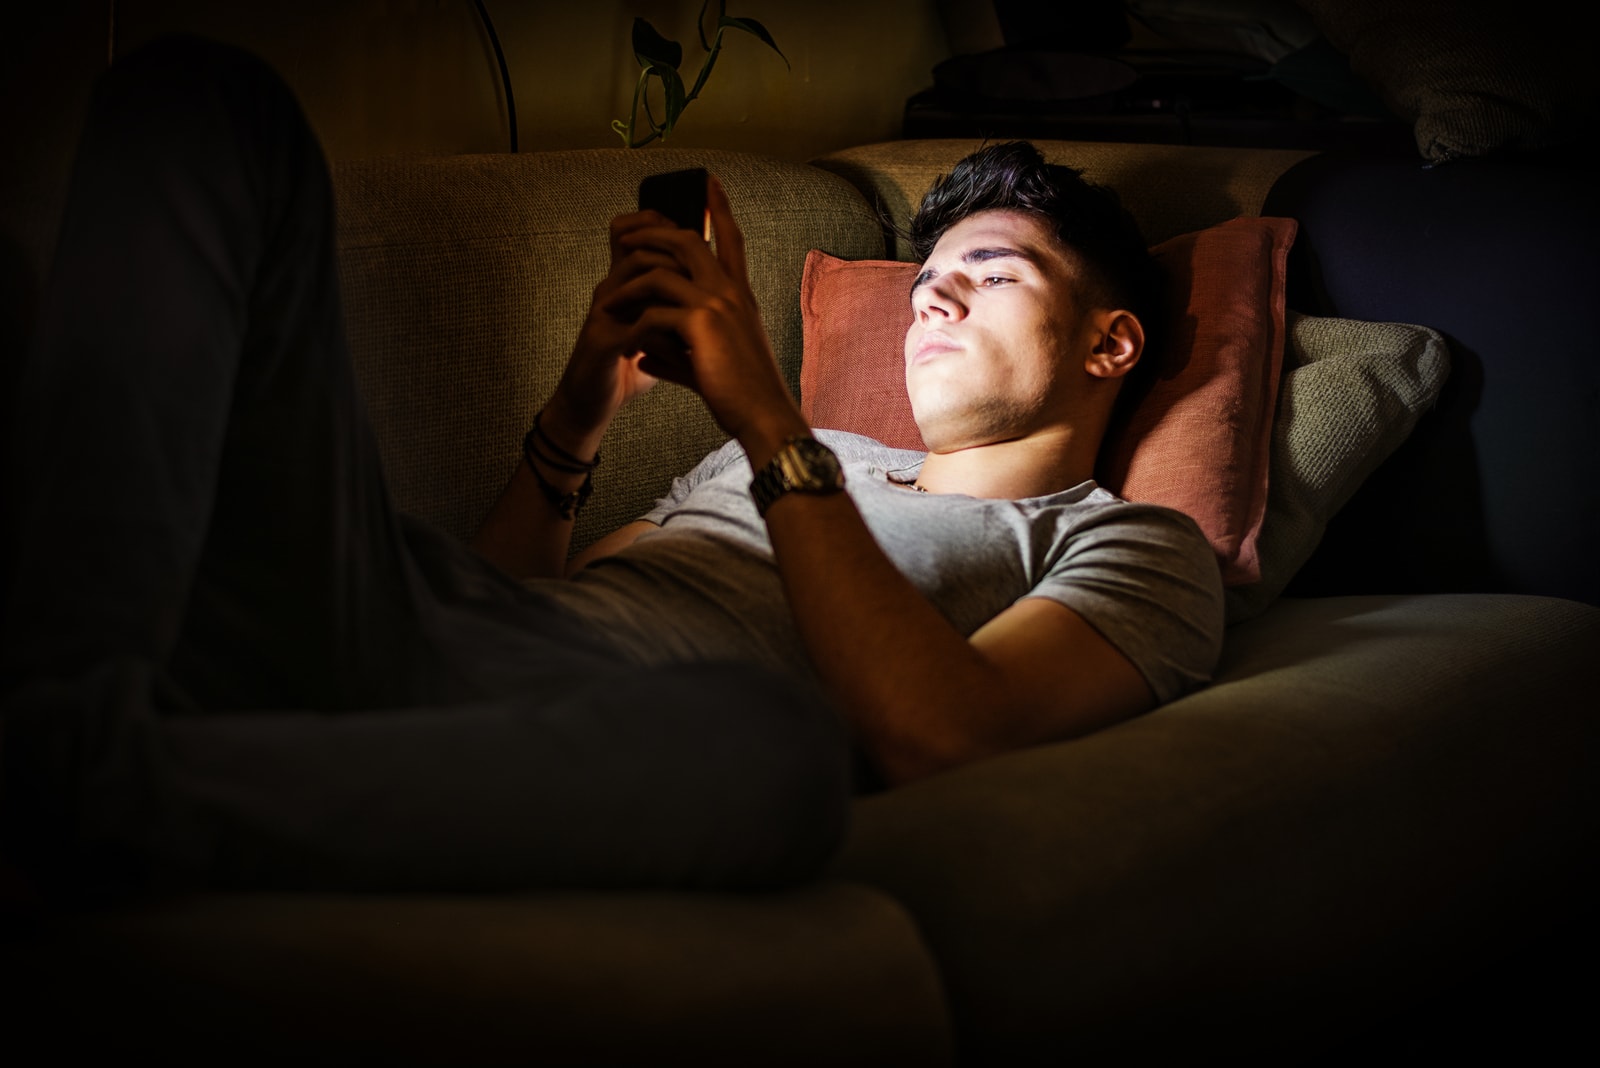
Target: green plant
{"type": "Point", "coordinates": [660, 58]}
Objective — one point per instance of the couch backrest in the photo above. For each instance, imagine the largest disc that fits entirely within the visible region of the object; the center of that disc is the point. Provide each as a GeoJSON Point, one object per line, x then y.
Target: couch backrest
{"type": "Point", "coordinates": [466, 279]}
{"type": "Point", "coordinates": [1169, 189]}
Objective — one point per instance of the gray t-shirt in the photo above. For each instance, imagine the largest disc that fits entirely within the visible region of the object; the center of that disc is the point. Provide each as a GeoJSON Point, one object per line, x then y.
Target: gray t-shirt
{"type": "Point", "coordinates": [704, 585]}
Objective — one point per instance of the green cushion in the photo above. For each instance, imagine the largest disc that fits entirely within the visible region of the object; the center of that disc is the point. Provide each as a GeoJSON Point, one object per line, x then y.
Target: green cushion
{"type": "Point", "coordinates": [1350, 393]}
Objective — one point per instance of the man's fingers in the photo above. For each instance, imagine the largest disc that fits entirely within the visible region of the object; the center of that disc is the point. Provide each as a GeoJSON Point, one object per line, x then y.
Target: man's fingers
{"type": "Point", "coordinates": [633, 265]}
{"type": "Point", "coordinates": [730, 241]}
{"type": "Point", "coordinates": [657, 335]}
{"type": "Point", "coordinates": [626, 224]}
{"type": "Point", "coordinates": [660, 285]}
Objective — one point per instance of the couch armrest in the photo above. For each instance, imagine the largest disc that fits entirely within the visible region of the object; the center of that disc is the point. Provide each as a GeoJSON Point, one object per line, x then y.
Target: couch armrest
{"type": "Point", "coordinates": [1375, 794]}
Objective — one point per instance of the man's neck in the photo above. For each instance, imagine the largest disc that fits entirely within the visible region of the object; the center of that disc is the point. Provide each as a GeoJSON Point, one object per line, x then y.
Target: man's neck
{"type": "Point", "coordinates": [1031, 466]}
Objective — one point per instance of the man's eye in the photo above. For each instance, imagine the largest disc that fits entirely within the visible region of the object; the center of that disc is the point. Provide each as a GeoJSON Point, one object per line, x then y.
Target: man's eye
{"type": "Point", "coordinates": [996, 280]}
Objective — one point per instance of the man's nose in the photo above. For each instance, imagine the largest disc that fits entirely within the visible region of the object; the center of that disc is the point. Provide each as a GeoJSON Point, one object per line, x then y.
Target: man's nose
{"type": "Point", "coordinates": [938, 299]}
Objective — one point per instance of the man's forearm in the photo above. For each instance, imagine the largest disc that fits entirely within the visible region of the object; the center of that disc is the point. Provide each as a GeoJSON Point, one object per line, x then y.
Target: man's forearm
{"type": "Point", "coordinates": [528, 532]}
{"type": "Point", "coordinates": [921, 695]}
{"type": "Point", "coordinates": [916, 690]}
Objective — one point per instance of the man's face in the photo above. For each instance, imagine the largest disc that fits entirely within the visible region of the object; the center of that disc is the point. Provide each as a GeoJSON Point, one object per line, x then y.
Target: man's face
{"type": "Point", "coordinates": [996, 345]}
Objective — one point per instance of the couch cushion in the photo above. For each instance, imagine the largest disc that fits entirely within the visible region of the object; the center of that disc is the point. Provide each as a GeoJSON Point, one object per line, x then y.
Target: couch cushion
{"type": "Point", "coordinates": [830, 973]}
{"type": "Point", "coordinates": [1351, 393]}
{"type": "Point", "coordinates": [1170, 189]}
{"type": "Point", "coordinates": [1373, 794]}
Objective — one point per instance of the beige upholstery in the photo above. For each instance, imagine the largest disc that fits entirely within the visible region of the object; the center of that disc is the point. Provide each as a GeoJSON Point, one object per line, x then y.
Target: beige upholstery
{"type": "Point", "coordinates": [830, 974]}
{"type": "Point", "coordinates": [466, 279]}
{"type": "Point", "coordinates": [1170, 189]}
{"type": "Point", "coordinates": [1376, 793]}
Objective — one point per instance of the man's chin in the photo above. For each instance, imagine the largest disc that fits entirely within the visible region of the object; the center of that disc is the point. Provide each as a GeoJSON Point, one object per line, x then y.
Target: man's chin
{"type": "Point", "coordinates": [950, 435]}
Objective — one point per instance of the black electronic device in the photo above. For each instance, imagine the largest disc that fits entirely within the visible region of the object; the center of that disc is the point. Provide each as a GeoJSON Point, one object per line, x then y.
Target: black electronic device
{"type": "Point", "coordinates": [680, 196]}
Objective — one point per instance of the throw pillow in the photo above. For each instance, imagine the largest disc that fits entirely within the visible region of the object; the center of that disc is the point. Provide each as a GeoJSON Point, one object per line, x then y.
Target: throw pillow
{"type": "Point", "coordinates": [1352, 392]}
{"type": "Point", "coordinates": [1197, 441]}
{"type": "Point", "coordinates": [853, 320]}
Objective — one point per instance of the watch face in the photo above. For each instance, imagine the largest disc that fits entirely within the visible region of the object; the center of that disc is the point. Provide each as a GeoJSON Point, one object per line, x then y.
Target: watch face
{"type": "Point", "coordinates": [807, 464]}
{"type": "Point", "coordinates": [804, 465]}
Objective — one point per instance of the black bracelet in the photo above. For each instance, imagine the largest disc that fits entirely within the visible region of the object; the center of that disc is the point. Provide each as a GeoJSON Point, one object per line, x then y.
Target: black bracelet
{"type": "Point", "coordinates": [534, 445]}
{"type": "Point", "coordinates": [536, 432]}
{"type": "Point", "coordinates": [567, 505]}
{"type": "Point", "coordinates": [532, 448]}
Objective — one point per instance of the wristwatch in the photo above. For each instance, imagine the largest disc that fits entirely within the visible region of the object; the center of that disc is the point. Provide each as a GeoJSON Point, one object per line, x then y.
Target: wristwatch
{"type": "Point", "coordinates": [802, 465]}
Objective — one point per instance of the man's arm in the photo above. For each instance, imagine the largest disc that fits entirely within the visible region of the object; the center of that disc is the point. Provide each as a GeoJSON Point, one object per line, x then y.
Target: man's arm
{"type": "Point", "coordinates": [614, 542]}
{"type": "Point", "coordinates": [922, 696]}
{"type": "Point", "coordinates": [525, 533]}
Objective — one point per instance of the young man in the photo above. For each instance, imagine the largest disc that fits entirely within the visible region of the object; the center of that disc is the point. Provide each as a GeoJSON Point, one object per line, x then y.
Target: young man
{"type": "Point", "coordinates": [1010, 603]}
{"type": "Point", "coordinates": [229, 663]}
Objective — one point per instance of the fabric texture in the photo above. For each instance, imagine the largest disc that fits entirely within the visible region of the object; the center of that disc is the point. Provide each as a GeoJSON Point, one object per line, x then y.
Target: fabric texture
{"type": "Point", "coordinates": [467, 278]}
{"type": "Point", "coordinates": [1169, 189]}
{"type": "Point", "coordinates": [1473, 77]}
{"type": "Point", "coordinates": [1361, 772]}
{"type": "Point", "coordinates": [1196, 441]}
{"type": "Point", "coordinates": [705, 585]}
{"type": "Point", "coordinates": [1352, 392]}
{"type": "Point", "coordinates": [854, 315]}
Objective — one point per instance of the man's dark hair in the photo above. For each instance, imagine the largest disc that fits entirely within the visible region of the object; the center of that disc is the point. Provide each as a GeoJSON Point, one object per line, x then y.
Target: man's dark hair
{"type": "Point", "coordinates": [1088, 219]}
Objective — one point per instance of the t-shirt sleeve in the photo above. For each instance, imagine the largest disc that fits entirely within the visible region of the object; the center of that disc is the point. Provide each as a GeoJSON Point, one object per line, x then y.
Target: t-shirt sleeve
{"type": "Point", "coordinates": [1148, 581]}
{"type": "Point", "coordinates": [715, 462]}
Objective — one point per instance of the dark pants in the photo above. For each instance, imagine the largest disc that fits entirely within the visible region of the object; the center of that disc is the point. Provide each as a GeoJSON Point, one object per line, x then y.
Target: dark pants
{"type": "Point", "coordinates": [229, 663]}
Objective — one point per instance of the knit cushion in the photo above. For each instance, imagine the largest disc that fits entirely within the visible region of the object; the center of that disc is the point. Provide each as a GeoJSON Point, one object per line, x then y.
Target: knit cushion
{"type": "Point", "coordinates": [1352, 392]}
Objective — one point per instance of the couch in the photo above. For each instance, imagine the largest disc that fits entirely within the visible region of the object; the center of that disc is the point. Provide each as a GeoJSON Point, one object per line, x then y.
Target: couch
{"type": "Point", "coordinates": [1380, 811]}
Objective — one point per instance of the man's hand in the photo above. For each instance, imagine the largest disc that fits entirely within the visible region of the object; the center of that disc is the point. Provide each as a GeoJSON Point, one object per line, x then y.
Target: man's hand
{"type": "Point", "coordinates": [523, 534]}
{"type": "Point", "coordinates": [668, 308]}
{"type": "Point", "coordinates": [692, 314]}
{"type": "Point", "coordinates": [603, 373]}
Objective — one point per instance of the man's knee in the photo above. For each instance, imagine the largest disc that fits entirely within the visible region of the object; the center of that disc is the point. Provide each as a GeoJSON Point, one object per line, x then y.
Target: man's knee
{"type": "Point", "coordinates": [183, 95]}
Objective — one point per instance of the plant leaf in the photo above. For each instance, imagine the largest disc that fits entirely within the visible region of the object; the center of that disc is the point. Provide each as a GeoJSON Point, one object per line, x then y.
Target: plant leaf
{"type": "Point", "coordinates": [700, 22]}
{"type": "Point", "coordinates": [672, 89]}
{"type": "Point", "coordinates": [653, 50]}
{"type": "Point", "coordinates": [751, 26]}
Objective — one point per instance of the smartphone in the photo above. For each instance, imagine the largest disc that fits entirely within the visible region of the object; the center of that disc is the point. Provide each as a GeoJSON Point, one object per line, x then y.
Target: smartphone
{"type": "Point", "coordinates": [680, 196]}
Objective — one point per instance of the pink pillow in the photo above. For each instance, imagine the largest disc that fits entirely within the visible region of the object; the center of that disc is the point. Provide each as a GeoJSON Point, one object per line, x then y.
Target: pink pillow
{"type": "Point", "coordinates": [1197, 441]}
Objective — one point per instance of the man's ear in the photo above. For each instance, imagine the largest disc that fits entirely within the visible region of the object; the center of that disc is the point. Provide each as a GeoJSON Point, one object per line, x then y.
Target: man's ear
{"type": "Point", "coordinates": [1118, 343]}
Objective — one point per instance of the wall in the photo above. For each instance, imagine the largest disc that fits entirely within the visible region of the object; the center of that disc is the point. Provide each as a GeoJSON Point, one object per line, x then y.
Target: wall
{"type": "Point", "coordinates": [380, 76]}
{"type": "Point", "coordinates": [393, 76]}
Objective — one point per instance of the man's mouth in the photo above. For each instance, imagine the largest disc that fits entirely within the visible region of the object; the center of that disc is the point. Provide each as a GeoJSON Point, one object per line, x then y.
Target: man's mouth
{"type": "Point", "coordinates": [931, 345]}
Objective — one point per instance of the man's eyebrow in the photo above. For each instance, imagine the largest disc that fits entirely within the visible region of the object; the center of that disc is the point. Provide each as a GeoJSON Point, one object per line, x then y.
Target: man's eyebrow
{"type": "Point", "coordinates": [983, 255]}
{"type": "Point", "coordinates": [977, 255]}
